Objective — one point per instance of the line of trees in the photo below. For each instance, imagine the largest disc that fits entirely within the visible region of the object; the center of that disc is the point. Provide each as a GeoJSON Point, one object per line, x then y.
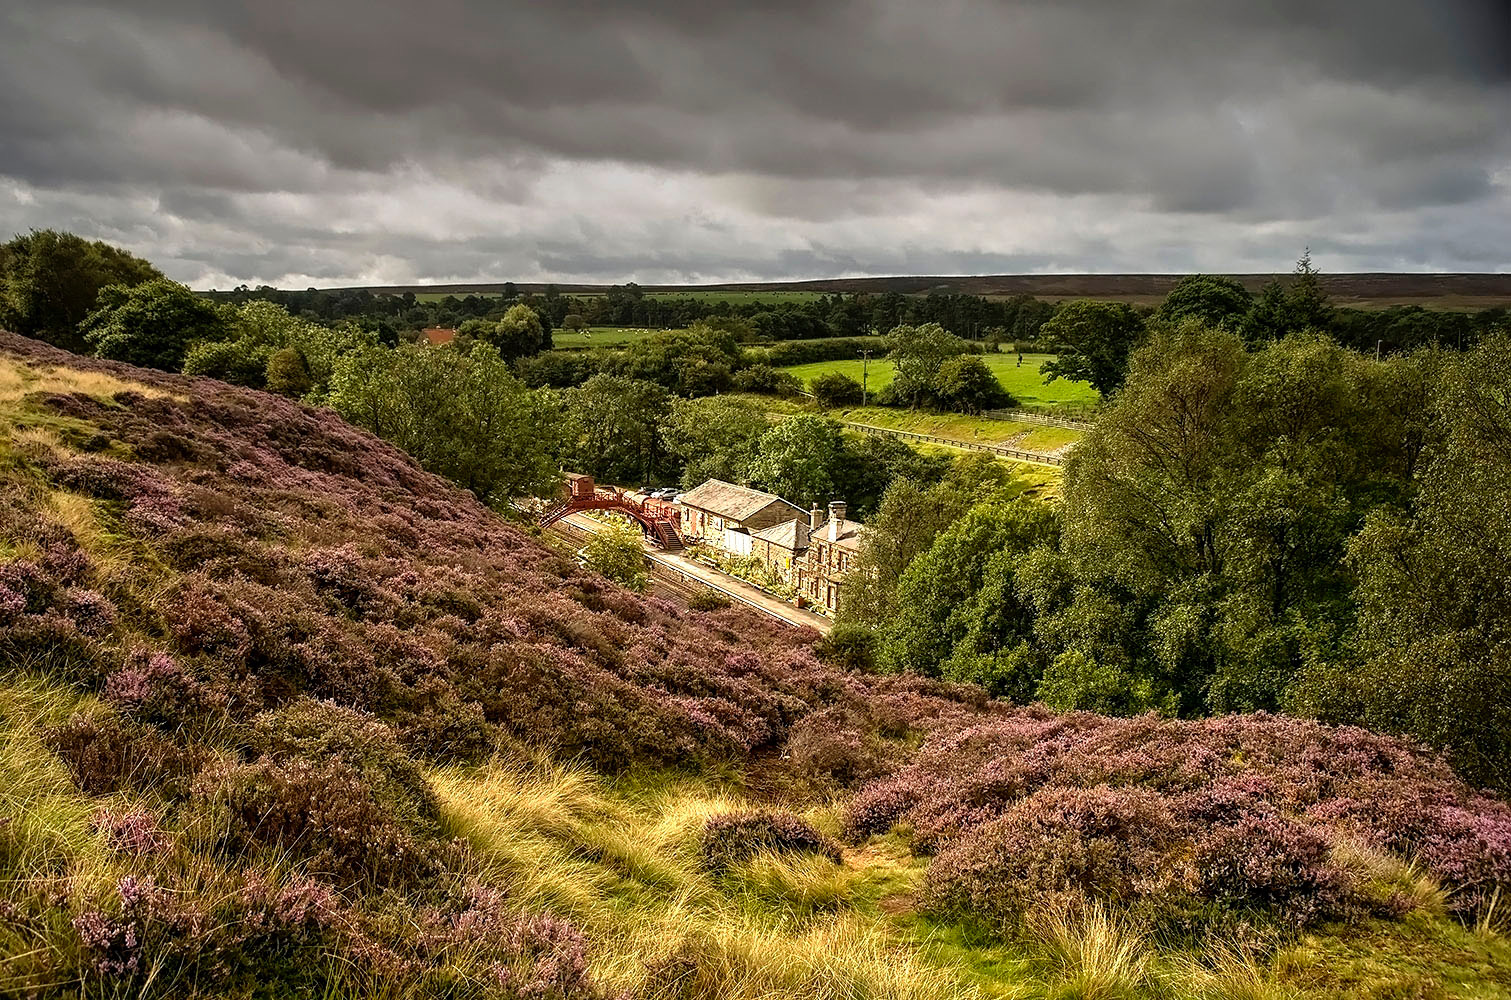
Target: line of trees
{"type": "Point", "coordinates": [1284, 526]}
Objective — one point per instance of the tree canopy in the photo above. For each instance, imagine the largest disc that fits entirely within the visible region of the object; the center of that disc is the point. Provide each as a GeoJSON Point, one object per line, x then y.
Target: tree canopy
{"type": "Point", "coordinates": [50, 282]}
{"type": "Point", "coordinates": [462, 416]}
{"type": "Point", "coordinates": [151, 324]}
{"type": "Point", "coordinates": [1095, 340]}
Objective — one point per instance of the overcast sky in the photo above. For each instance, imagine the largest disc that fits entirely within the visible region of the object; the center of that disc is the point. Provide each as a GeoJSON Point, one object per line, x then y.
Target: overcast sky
{"type": "Point", "coordinates": [329, 142]}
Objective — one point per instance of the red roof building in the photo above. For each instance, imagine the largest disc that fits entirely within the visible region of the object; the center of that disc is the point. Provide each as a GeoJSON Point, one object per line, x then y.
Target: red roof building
{"type": "Point", "coordinates": [435, 336]}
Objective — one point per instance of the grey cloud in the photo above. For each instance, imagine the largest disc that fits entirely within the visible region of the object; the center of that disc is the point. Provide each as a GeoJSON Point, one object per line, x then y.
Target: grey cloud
{"type": "Point", "coordinates": [813, 136]}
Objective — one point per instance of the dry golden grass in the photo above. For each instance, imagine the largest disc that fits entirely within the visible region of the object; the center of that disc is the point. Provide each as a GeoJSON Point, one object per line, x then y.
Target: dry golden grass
{"type": "Point", "coordinates": [18, 379]}
{"type": "Point", "coordinates": [624, 864]}
{"type": "Point", "coordinates": [1092, 953]}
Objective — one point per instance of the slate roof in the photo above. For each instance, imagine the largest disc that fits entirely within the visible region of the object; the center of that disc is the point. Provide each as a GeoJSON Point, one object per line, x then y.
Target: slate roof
{"type": "Point", "coordinates": [791, 535]}
{"type": "Point", "coordinates": [848, 537]}
{"type": "Point", "coordinates": [736, 503]}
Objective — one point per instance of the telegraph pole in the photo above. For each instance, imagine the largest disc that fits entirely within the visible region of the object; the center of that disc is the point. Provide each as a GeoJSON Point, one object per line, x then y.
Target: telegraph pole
{"type": "Point", "coordinates": [865, 367]}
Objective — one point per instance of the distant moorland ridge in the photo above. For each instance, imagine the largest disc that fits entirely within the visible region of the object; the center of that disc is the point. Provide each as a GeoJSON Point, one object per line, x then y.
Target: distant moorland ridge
{"type": "Point", "coordinates": [1379, 288]}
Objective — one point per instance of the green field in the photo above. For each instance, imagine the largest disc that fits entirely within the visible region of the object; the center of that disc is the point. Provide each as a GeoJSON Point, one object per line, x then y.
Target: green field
{"type": "Point", "coordinates": [961, 427]}
{"type": "Point", "coordinates": [598, 336]}
{"type": "Point", "coordinates": [1025, 383]}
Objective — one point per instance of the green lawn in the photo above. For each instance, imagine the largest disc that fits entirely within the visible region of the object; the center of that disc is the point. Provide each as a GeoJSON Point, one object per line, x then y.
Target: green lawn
{"type": "Point", "coordinates": [961, 427]}
{"type": "Point", "coordinates": [1025, 383]}
{"type": "Point", "coordinates": [598, 336]}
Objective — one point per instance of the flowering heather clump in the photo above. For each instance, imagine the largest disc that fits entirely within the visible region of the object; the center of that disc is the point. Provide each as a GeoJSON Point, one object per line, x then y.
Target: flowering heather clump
{"type": "Point", "coordinates": [132, 832]}
{"type": "Point", "coordinates": [114, 940]}
{"type": "Point", "coordinates": [107, 754]}
{"type": "Point", "coordinates": [153, 687]}
{"type": "Point", "coordinates": [525, 955]}
{"type": "Point", "coordinates": [91, 612]}
{"type": "Point", "coordinates": [1113, 844]}
{"type": "Point", "coordinates": [730, 839]}
{"type": "Point", "coordinates": [324, 814]}
{"type": "Point", "coordinates": [152, 504]}
{"type": "Point", "coordinates": [1272, 862]}
{"type": "Point", "coordinates": [1243, 811]}
{"type": "Point", "coordinates": [319, 732]}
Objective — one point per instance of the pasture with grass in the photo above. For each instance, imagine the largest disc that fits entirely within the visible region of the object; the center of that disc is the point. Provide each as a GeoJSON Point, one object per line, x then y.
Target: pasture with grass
{"type": "Point", "coordinates": [1024, 381]}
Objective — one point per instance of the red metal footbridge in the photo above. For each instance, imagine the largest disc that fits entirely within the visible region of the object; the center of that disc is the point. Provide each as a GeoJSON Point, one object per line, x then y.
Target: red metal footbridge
{"type": "Point", "coordinates": [660, 521]}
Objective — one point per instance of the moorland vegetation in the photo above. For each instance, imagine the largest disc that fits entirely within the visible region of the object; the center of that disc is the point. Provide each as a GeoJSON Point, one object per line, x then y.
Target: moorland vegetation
{"type": "Point", "coordinates": [285, 712]}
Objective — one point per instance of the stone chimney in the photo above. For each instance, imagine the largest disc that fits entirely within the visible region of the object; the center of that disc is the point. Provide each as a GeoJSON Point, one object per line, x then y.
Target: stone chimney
{"type": "Point", "coordinates": [815, 518]}
{"type": "Point", "coordinates": [836, 519]}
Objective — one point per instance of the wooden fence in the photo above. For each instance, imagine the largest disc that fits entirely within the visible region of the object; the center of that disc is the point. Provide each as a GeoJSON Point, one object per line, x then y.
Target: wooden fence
{"type": "Point", "coordinates": [1020, 454]}
{"type": "Point", "coordinates": [1075, 423]}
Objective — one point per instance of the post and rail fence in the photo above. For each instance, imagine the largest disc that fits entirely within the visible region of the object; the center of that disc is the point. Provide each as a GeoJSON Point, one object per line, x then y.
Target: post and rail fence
{"type": "Point", "coordinates": [1007, 451]}
{"type": "Point", "coordinates": [1083, 420]}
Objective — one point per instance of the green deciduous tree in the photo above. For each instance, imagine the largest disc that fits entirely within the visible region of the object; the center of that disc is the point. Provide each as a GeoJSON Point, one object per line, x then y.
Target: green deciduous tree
{"type": "Point", "coordinates": [617, 552]}
{"type": "Point", "coordinates": [240, 362]}
{"type": "Point", "coordinates": [917, 352]}
{"type": "Point", "coordinates": [1216, 497]}
{"type": "Point", "coordinates": [1434, 633]}
{"type": "Point", "coordinates": [698, 361]}
{"type": "Point", "coordinates": [959, 613]}
{"type": "Point", "coordinates": [50, 282]}
{"type": "Point", "coordinates": [462, 416]}
{"type": "Point", "coordinates": [834, 389]}
{"type": "Point", "coordinates": [151, 324]}
{"type": "Point", "coordinates": [1094, 340]}
{"type": "Point", "coordinates": [613, 429]}
{"type": "Point", "coordinates": [520, 333]}
{"type": "Point", "coordinates": [1209, 299]}
{"type": "Point", "coordinates": [715, 437]}
{"type": "Point", "coordinates": [965, 384]}
{"type": "Point", "coordinates": [288, 373]}
{"type": "Point", "coordinates": [797, 460]}
{"type": "Point", "coordinates": [909, 517]}
{"type": "Point", "coordinates": [764, 378]}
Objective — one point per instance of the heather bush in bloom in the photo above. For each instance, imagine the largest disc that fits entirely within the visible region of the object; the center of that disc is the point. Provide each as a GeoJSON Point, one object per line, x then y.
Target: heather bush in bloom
{"type": "Point", "coordinates": [106, 754]}
{"type": "Point", "coordinates": [1244, 812]}
{"type": "Point", "coordinates": [132, 832]}
{"type": "Point", "coordinates": [320, 732]}
{"type": "Point", "coordinates": [155, 688]}
{"type": "Point", "coordinates": [322, 813]}
{"type": "Point", "coordinates": [1272, 862]}
{"type": "Point", "coordinates": [1100, 843]}
{"type": "Point", "coordinates": [730, 839]}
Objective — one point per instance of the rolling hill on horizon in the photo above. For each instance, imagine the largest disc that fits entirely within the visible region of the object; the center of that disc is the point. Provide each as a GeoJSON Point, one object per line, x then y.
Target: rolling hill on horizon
{"type": "Point", "coordinates": [1444, 290]}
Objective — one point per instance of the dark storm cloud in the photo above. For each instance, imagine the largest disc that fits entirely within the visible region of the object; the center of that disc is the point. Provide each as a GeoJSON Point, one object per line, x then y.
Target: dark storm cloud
{"type": "Point", "coordinates": [476, 138]}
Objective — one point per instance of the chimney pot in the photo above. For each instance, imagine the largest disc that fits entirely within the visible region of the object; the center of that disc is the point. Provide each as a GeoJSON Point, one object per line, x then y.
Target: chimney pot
{"type": "Point", "coordinates": [815, 518]}
{"type": "Point", "coordinates": [836, 519]}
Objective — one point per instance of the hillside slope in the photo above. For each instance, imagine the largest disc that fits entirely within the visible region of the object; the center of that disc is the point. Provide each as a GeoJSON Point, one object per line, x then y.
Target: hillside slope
{"type": "Point", "coordinates": [281, 715]}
